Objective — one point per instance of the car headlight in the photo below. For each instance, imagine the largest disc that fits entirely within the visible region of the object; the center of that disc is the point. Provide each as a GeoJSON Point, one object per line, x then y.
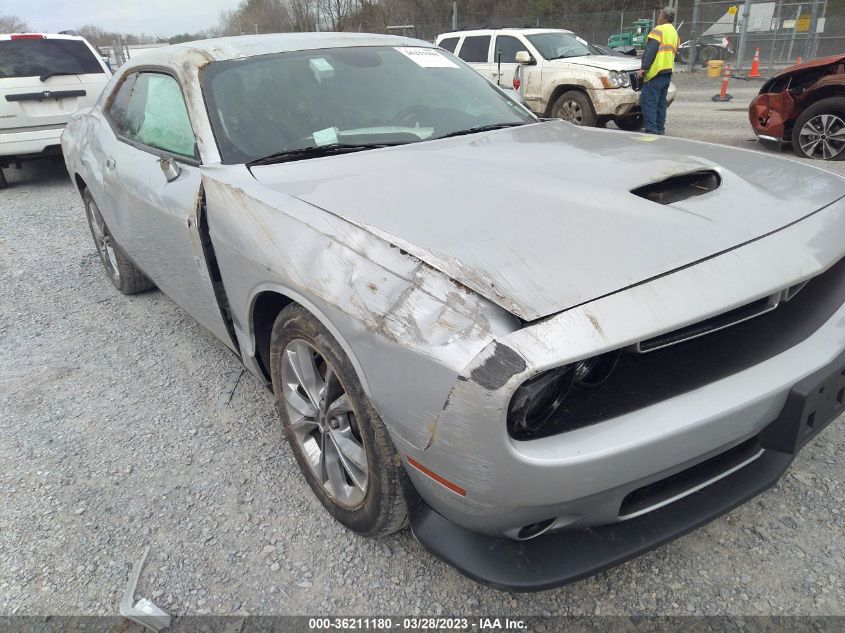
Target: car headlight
{"type": "Point", "coordinates": [538, 400]}
{"type": "Point", "coordinates": [616, 79]}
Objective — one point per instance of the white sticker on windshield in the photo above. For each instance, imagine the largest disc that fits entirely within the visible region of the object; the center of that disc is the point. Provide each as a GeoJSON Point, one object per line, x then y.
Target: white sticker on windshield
{"type": "Point", "coordinates": [325, 137]}
{"type": "Point", "coordinates": [426, 57]}
{"type": "Point", "coordinates": [581, 40]}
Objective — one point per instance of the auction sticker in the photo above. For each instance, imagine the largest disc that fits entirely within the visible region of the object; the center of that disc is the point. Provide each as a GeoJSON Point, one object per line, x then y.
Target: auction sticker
{"type": "Point", "coordinates": [426, 57]}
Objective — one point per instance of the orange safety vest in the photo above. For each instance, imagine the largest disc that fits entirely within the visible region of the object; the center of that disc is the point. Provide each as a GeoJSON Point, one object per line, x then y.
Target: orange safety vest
{"type": "Point", "coordinates": [667, 38]}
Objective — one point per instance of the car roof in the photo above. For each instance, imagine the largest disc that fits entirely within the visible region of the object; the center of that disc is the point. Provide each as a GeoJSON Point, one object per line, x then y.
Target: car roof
{"type": "Point", "coordinates": [504, 30]}
{"type": "Point", "coordinates": [241, 46]}
{"type": "Point", "coordinates": [46, 36]}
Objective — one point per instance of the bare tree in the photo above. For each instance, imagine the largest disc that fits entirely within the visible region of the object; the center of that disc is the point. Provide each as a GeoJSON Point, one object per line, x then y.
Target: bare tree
{"type": "Point", "coordinates": [12, 24]}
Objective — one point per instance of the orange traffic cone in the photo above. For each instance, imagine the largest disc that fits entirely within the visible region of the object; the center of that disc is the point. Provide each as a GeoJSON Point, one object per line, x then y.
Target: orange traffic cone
{"type": "Point", "coordinates": [755, 65]}
{"type": "Point", "coordinates": [723, 93]}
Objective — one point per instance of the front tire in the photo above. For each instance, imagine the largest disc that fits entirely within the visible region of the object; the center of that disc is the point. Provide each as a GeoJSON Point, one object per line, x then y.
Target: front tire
{"type": "Point", "coordinates": [632, 123]}
{"type": "Point", "coordinates": [123, 274]}
{"type": "Point", "coordinates": [335, 433]}
{"type": "Point", "coordinates": [820, 130]}
{"type": "Point", "coordinates": [575, 107]}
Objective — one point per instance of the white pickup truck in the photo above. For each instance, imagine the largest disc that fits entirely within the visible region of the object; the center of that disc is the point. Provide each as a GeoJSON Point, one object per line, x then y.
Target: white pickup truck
{"type": "Point", "coordinates": [557, 73]}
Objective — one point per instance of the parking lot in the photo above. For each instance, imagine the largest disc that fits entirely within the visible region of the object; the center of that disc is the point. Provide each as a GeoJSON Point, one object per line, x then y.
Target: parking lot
{"type": "Point", "coordinates": [115, 436]}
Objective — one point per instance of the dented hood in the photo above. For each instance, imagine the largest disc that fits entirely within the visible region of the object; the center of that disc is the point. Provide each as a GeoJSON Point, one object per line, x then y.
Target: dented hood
{"type": "Point", "coordinates": [541, 218]}
{"type": "Point", "coordinates": [605, 62]}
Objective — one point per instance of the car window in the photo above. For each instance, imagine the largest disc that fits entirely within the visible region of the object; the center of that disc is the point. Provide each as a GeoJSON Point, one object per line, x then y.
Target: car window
{"type": "Point", "coordinates": [37, 57]}
{"type": "Point", "coordinates": [449, 44]}
{"type": "Point", "coordinates": [149, 108]}
{"type": "Point", "coordinates": [559, 45]}
{"type": "Point", "coordinates": [475, 48]}
{"type": "Point", "coordinates": [118, 108]}
{"type": "Point", "coordinates": [284, 102]}
{"type": "Point", "coordinates": [508, 46]}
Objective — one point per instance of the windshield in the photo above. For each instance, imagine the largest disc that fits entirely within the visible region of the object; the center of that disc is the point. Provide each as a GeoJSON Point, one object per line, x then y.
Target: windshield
{"type": "Point", "coordinates": [557, 45]}
{"type": "Point", "coordinates": [361, 96]}
{"type": "Point", "coordinates": [46, 57]}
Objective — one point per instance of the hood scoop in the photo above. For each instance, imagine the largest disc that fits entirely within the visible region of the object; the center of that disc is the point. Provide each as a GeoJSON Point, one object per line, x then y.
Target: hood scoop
{"type": "Point", "coordinates": [680, 187]}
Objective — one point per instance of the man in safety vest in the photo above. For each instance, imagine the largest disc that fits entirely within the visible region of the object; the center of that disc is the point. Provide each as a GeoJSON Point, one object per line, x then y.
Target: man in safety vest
{"type": "Point", "coordinates": [658, 63]}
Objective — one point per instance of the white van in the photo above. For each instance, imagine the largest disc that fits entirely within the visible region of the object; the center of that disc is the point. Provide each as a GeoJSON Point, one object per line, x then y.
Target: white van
{"type": "Point", "coordinates": [557, 73]}
{"type": "Point", "coordinates": [44, 79]}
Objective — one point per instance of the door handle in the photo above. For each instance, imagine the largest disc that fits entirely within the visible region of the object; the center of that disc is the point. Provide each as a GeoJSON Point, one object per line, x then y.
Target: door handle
{"type": "Point", "coordinates": [110, 164]}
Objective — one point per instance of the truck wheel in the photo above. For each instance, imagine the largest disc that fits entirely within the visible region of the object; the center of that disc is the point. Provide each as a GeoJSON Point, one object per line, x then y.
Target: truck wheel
{"type": "Point", "coordinates": [575, 107]}
{"type": "Point", "coordinates": [708, 53]}
{"type": "Point", "coordinates": [121, 272]}
{"type": "Point", "coordinates": [335, 433]}
{"type": "Point", "coordinates": [820, 130]}
{"type": "Point", "coordinates": [3, 183]}
{"type": "Point", "coordinates": [632, 123]}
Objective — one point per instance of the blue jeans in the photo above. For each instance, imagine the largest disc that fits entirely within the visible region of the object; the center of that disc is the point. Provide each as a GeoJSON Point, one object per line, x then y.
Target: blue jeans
{"type": "Point", "coordinates": [653, 103]}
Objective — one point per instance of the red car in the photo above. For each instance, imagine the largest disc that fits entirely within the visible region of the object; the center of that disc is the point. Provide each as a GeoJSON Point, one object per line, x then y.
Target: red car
{"type": "Point", "coordinates": [805, 106]}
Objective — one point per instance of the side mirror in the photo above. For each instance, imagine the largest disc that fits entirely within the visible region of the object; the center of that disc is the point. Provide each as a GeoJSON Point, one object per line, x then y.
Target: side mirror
{"type": "Point", "coordinates": [524, 57]}
{"type": "Point", "coordinates": [170, 168]}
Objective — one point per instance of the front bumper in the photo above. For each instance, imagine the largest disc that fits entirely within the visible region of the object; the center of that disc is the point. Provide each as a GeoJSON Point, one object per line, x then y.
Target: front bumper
{"type": "Point", "coordinates": [551, 560]}
{"type": "Point", "coordinates": [620, 102]}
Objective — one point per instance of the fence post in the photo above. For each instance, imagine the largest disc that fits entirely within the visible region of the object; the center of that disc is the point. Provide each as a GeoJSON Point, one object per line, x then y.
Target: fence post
{"type": "Point", "coordinates": [746, 18]}
{"type": "Point", "coordinates": [776, 23]}
{"type": "Point", "coordinates": [811, 35]}
{"type": "Point", "coordinates": [693, 36]}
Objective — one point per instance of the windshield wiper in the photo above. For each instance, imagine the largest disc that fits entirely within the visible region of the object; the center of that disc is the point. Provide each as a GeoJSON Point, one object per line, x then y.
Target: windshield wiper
{"type": "Point", "coordinates": [317, 151]}
{"type": "Point", "coordinates": [54, 73]}
{"type": "Point", "coordinates": [484, 128]}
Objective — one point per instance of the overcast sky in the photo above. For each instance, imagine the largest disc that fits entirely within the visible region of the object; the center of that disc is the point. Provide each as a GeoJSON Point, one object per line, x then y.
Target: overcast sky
{"type": "Point", "coordinates": [155, 17]}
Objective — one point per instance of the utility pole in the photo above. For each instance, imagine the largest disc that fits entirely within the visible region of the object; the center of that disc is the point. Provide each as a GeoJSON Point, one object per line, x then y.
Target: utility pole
{"type": "Point", "coordinates": [746, 19]}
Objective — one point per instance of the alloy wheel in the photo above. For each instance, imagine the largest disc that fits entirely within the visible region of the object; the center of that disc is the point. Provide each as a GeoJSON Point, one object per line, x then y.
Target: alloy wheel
{"type": "Point", "coordinates": [572, 112]}
{"type": "Point", "coordinates": [103, 240]}
{"type": "Point", "coordinates": [823, 136]}
{"type": "Point", "coordinates": [323, 423]}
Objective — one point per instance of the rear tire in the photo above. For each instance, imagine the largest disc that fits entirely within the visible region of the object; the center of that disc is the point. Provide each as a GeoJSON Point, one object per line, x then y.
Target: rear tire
{"type": "Point", "coordinates": [335, 433]}
{"type": "Point", "coordinates": [121, 272]}
{"type": "Point", "coordinates": [576, 108]}
{"type": "Point", "coordinates": [3, 183]}
{"type": "Point", "coordinates": [820, 130]}
{"type": "Point", "coordinates": [708, 53]}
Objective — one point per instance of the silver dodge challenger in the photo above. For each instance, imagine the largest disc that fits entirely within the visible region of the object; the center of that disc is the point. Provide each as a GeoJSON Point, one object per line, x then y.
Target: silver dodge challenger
{"type": "Point", "coordinates": [547, 348]}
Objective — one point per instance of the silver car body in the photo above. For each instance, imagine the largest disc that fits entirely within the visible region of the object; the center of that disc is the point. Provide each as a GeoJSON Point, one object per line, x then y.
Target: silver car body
{"type": "Point", "coordinates": [446, 299]}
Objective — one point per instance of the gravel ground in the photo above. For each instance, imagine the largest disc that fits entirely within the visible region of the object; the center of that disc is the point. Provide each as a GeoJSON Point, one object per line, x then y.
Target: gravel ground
{"type": "Point", "coordinates": [113, 439]}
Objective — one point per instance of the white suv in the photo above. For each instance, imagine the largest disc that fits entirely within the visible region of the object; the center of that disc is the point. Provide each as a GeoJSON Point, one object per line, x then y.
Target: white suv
{"type": "Point", "coordinates": [557, 73]}
{"type": "Point", "coordinates": [44, 79]}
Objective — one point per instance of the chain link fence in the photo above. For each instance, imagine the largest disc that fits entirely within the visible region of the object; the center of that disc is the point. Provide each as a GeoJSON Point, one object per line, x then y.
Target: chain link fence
{"type": "Point", "coordinates": [779, 32]}
{"type": "Point", "coordinates": [774, 32]}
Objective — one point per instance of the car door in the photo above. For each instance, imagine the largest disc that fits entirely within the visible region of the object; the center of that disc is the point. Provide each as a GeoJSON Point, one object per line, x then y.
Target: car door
{"type": "Point", "coordinates": [475, 51]}
{"type": "Point", "coordinates": [153, 169]}
{"type": "Point", "coordinates": [505, 48]}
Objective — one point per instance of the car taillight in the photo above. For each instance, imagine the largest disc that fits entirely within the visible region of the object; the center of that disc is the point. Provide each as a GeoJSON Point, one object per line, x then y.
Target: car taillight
{"type": "Point", "coordinates": [516, 83]}
{"type": "Point", "coordinates": [28, 36]}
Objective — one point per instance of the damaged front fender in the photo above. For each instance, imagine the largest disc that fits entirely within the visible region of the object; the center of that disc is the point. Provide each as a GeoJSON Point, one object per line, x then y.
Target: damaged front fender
{"type": "Point", "coordinates": [407, 328]}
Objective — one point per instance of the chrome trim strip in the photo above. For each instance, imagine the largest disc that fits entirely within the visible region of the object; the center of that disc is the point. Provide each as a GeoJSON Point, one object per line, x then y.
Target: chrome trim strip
{"type": "Point", "coordinates": [774, 302]}
{"type": "Point", "coordinates": [686, 493]}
